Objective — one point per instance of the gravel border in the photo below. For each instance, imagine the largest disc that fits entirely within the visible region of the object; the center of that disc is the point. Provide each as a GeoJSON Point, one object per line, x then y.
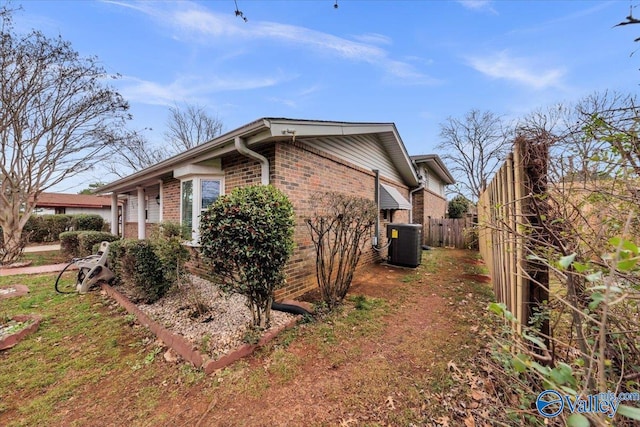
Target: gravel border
{"type": "Point", "coordinates": [214, 332]}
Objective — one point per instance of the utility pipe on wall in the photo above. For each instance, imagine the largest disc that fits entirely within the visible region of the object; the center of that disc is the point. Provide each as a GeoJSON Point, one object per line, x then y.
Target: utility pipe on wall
{"type": "Point", "coordinates": [376, 239]}
{"type": "Point", "coordinates": [242, 148]}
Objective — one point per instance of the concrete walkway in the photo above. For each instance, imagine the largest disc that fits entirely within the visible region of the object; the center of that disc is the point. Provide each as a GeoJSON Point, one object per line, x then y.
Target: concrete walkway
{"type": "Point", "coordinates": [43, 248]}
{"type": "Point", "coordinates": [42, 269]}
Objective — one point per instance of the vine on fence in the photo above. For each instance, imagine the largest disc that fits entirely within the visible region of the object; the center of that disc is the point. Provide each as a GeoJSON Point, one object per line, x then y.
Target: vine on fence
{"type": "Point", "coordinates": [581, 227]}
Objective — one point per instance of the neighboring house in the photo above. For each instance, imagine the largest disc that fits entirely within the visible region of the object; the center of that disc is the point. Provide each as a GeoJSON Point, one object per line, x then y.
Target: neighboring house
{"type": "Point", "coordinates": [300, 157]}
{"type": "Point", "coordinates": [72, 204]}
{"type": "Point", "coordinates": [431, 202]}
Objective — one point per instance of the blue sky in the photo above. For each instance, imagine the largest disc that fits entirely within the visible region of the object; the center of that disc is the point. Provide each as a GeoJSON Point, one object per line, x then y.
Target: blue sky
{"type": "Point", "coordinates": [413, 63]}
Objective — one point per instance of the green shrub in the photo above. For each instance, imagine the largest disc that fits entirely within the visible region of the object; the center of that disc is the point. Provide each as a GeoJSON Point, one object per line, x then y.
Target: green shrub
{"type": "Point", "coordinates": [459, 206]}
{"type": "Point", "coordinates": [56, 224]}
{"type": "Point", "coordinates": [167, 240]}
{"type": "Point", "coordinates": [75, 244]}
{"type": "Point", "coordinates": [69, 244]}
{"type": "Point", "coordinates": [92, 222]}
{"type": "Point", "coordinates": [117, 250]}
{"type": "Point", "coordinates": [138, 270]}
{"type": "Point", "coordinates": [34, 230]}
{"type": "Point", "coordinates": [45, 228]}
{"type": "Point", "coordinates": [248, 237]}
{"type": "Point", "coordinates": [88, 240]}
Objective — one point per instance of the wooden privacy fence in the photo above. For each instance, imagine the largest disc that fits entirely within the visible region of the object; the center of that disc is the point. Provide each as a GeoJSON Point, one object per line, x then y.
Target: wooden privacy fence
{"type": "Point", "coordinates": [506, 220]}
{"type": "Point", "coordinates": [450, 232]}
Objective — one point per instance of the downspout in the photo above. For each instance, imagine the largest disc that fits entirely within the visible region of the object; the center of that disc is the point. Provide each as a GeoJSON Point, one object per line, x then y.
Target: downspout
{"type": "Point", "coordinates": [376, 238]}
{"type": "Point", "coordinates": [421, 187]}
{"type": "Point", "coordinates": [241, 146]}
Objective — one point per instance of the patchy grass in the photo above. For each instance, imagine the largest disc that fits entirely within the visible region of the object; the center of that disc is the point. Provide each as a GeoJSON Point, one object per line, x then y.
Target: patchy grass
{"type": "Point", "coordinates": [44, 258]}
{"type": "Point", "coordinates": [81, 340]}
{"type": "Point", "coordinates": [396, 353]}
{"type": "Point", "coordinates": [430, 260]}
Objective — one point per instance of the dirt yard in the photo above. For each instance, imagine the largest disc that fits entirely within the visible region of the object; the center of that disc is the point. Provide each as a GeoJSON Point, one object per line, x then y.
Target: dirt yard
{"type": "Point", "coordinates": [403, 355]}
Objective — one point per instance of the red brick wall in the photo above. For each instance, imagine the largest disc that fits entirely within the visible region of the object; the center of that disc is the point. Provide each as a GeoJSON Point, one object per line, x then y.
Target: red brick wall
{"type": "Point", "coordinates": [301, 172]}
{"type": "Point", "coordinates": [171, 200]}
{"type": "Point", "coordinates": [131, 230]}
{"type": "Point", "coordinates": [241, 171]}
{"type": "Point", "coordinates": [435, 206]}
{"type": "Point", "coordinates": [418, 207]}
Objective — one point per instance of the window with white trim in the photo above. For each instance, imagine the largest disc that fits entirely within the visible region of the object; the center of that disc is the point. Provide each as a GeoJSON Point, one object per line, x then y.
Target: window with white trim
{"type": "Point", "coordinates": [197, 193]}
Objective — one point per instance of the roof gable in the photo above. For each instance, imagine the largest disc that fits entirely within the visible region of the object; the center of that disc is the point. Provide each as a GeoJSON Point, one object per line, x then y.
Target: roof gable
{"type": "Point", "coordinates": [435, 163]}
{"type": "Point", "coordinates": [268, 130]}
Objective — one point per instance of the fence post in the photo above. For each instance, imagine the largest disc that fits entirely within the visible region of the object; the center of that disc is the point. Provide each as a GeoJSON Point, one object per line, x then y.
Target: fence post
{"type": "Point", "coordinates": [509, 219]}
{"type": "Point", "coordinates": [535, 157]}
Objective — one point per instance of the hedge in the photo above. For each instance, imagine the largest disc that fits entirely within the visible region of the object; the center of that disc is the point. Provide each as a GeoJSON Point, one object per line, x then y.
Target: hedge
{"type": "Point", "coordinates": [87, 222]}
{"type": "Point", "coordinates": [75, 244]}
{"type": "Point", "coordinates": [45, 228]}
{"type": "Point", "coordinates": [138, 270]}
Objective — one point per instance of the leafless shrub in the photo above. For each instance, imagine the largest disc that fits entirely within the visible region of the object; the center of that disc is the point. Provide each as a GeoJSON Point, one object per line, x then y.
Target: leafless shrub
{"type": "Point", "coordinates": [339, 227]}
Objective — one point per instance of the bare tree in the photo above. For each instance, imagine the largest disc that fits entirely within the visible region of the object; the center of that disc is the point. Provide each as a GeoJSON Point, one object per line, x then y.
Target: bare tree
{"type": "Point", "coordinates": [58, 118]}
{"type": "Point", "coordinates": [579, 152]}
{"type": "Point", "coordinates": [191, 126]}
{"type": "Point", "coordinates": [583, 230]}
{"type": "Point", "coordinates": [185, 129]}
{"type": "Point", "coordinates": [134, 153]}
{"type": "Point", "coordinates": [472, 148]}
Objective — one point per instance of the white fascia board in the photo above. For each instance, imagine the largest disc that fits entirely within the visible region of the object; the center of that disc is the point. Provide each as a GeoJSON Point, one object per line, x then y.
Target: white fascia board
{"type": "Point", "coordinates": [213, 168]}
{"type": "Point", "coordinates": [201, 152]}
{"type": "Point", "coordinates": [281, 128]}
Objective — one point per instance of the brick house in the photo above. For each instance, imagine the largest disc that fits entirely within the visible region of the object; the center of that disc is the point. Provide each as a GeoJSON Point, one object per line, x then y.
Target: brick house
{"type": "Point", "coordinates": [300, 157]}
{"type": "Point", "coordinates": [430, 201]}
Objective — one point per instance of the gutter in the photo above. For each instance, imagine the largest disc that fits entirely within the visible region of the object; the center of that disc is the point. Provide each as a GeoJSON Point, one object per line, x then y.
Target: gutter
{"type": "Point", "coordinates": [167, 165]}
{"type": "Point", "coordinates": [376, 238]}
{"type": "Point", "coordinates": [241, 146]}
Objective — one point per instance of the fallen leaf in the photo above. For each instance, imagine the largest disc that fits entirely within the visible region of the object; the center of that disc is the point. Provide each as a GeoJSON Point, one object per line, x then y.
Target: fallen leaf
{"type": "Point", "coordinates": [390, 403]}
{"type": "Point", "coordinates": [477, 395]}
{"type": "Point", "coordinates": [469, 421]}
{"type": "Point", "coordinates": [452, 366]}
{"type": "Point", "coordinates": [443, 421]}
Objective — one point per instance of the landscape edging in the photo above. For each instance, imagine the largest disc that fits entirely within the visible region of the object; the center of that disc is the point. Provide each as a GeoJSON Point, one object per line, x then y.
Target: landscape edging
{"type": "Point", "coordinates": [13, 339]}
{"type": "Point", "coordinates": [183, 347]}
{"type": "Point", "coordinates": [18, 291]}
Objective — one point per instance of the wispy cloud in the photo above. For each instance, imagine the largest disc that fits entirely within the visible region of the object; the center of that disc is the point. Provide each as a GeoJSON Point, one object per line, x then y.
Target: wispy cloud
{"type": "Point", "coordinates": [188, 89]}
{"type": "Point", "coordinates": [374, 38]}
{"type": "Point", "coordinates": [301, 96]}
{"type": "Point", "coordinates": [286, 102]}
{"type": "Point", "coordinates": [309, 90]}
{"type": "Point", "coordinates": [519, 70]}
{"type": "Point", "coordinates": [194, 22]}
{"type": "Point", "coordinates": [479, 5]}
